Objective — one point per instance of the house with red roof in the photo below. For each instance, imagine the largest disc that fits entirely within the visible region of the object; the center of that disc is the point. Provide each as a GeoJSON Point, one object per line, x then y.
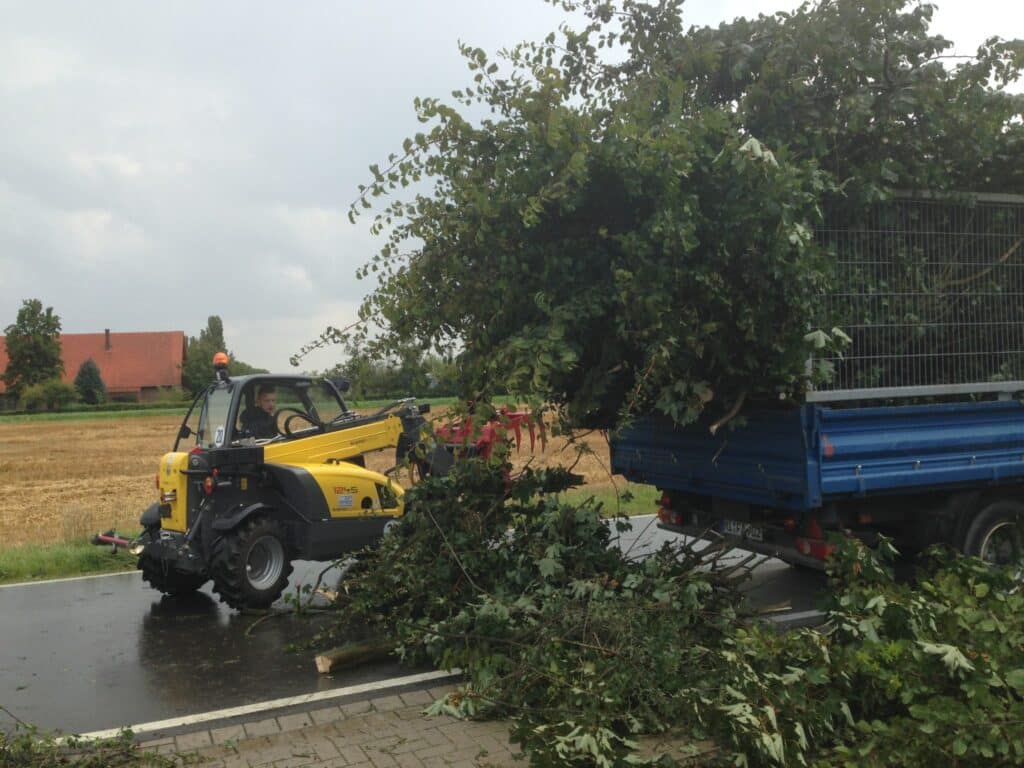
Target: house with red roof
{"type": "Point", "coordinates": [133, 365]}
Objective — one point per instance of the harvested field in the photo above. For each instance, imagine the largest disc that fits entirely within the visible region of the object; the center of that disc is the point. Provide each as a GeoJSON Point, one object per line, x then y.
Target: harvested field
{"type": "Point", "coordinates": [65, 480]}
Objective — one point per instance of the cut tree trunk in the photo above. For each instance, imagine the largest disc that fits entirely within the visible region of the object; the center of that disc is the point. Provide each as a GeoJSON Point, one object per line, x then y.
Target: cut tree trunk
{"type": "Point", "coordinates": [352, 654]}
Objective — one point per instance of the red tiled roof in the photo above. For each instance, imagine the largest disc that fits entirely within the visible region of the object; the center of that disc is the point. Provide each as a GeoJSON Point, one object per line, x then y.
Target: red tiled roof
{"type": "Point", "coordinates": [134, 360]}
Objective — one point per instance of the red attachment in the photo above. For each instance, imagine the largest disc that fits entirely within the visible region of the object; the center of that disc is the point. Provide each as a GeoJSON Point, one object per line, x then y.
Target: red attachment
{"type": "Point", "coordinates": [816, 548]}
{"type": "Point", "coordinates": [493, 432]}
{"type": "Point", "coordinates": [208, 485]}
{"type": "Point", "coordinates": [110, 537]}
{"type": "Point", "coordinates": [665, 512]}
{"type": "Point", "coordinates": [675, 518]}
{"type": "Point", "coordinates": [813, 543]}
{"type": "Point", "coordinates": [829, 449]}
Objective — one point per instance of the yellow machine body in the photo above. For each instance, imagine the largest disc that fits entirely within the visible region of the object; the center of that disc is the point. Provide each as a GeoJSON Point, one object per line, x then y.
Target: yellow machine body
{"type": "Point", "coordinates": [348, 489]}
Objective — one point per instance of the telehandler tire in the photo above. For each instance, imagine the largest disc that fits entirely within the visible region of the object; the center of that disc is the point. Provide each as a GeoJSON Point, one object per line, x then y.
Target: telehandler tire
{"type": "Point", "coordinates": [251, 565]}
{"type": "Point", "coordinates": [168, 580]}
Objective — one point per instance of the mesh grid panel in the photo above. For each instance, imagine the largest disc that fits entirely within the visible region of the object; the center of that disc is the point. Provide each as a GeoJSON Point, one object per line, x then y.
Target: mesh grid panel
{"type": "Point", "coordinates": [931, 293]}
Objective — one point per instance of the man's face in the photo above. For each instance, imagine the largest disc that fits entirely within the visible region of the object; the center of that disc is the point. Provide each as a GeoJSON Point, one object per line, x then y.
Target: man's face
{"type": "Point", "coordinates": [267, 402]}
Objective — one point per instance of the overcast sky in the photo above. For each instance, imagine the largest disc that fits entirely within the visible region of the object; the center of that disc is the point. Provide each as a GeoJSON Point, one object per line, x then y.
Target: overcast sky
{"type": "Point", "coordinates": [162, 162]}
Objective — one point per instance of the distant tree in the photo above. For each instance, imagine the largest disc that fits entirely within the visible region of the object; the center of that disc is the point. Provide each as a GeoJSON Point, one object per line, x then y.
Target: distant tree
{"type": "Point", "coordinates": [409, 372]}
{"type": "Point", "coordinates": [89, 384]}
{"type": "Point", "coordinates": [442, 376]}
{"type": "Point", "coordinates": [33, 347]}
{"type": "Point", "coordinates": [197, 371]}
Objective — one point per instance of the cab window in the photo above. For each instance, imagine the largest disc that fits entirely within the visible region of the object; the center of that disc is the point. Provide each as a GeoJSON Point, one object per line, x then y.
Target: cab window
{"type": "Point", "coordinates": [213, 419]}
{"type": "Point", "coordinates": [324, 403]}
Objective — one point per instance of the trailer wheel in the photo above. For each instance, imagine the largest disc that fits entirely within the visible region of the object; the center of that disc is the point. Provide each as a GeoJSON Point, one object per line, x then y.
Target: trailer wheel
{"type": "Point", "coordinates": [252, 564]}
{"type": "Point", "coordinates": [994, 534]}
{"type": "Point", "coordinates": [169, 580]}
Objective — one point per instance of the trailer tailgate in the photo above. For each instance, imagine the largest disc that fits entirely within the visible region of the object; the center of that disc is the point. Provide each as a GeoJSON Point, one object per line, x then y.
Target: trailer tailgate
{"type": "Point", "coordinates": [769, 461]}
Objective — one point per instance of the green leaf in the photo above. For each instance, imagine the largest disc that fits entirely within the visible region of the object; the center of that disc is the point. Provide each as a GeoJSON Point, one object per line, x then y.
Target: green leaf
{"type": "Point", "coordinates": [818, 339]}
{"type": "Point", "coordinates": [548, 567]}
{"type": "Point", "coordinates": [1015, 679]}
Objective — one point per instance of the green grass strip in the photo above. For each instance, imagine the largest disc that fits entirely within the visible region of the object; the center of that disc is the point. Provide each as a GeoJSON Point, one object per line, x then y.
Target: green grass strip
{"type": "Point", "coordinates": [38, 562]}
{"type": "Point", "coordinates": [88, 415]}
{"type": "Point", "coordinates": [178, 410]}
{"type": "Point", "coordinates": [630, 499]}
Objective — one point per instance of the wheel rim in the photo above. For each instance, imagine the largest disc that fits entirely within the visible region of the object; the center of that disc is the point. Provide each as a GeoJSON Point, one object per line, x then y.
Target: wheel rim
{"type": "Point", "coordinates": [1001, 545]}
{"type": "Point", "coordinates": [265, 562]}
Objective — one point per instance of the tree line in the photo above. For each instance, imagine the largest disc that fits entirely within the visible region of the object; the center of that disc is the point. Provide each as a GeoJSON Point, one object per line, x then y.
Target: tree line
{"type": "Point", "coordinates": [35, 367]}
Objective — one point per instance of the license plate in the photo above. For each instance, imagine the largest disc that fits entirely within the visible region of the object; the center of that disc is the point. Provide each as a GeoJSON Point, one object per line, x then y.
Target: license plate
{"type": "Point", "coordinates": [743, 530]}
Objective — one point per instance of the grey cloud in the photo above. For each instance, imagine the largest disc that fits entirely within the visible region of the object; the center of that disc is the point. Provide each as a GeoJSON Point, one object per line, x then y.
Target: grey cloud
{"type": "Point", "coordinates": [165, 161]}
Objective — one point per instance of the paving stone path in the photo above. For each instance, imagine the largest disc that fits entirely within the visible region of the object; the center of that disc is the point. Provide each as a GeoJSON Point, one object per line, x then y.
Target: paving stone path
{"type": "Point", "coordinates": [385, 732]}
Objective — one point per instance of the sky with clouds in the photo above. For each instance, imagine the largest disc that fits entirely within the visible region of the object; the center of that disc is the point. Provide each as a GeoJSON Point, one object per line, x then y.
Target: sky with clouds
{"type": "Point", "coordinates": [162, 162]}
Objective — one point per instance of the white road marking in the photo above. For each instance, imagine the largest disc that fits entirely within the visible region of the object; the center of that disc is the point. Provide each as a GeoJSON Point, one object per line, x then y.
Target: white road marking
{"type": "Point", "coordinates": [69, 578]}
{"type": "Point", "coordinates": [263, 706]}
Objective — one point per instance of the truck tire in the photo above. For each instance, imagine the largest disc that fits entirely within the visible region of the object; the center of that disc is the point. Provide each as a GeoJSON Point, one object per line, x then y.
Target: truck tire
{"type": "Point", "coordinates": [252, 564]}
{"type": "Point", "coordinates": [994, 535]}
{"type": "Point", "coordinates": [168, 580]}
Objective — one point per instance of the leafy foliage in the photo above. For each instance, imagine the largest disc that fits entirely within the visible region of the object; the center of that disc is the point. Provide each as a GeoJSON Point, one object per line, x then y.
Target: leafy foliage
{"type": "Point", "coordinates": [554, 626]}
{"type": "Point", "coordinates": [27, 747]}
{"type": "Point", "coordinates": [586, 647]}
{"type": "Point", "coordinates": [631, 227]}
{"type": "Point", "coordinates": [52, 395]}
{"type": "Point", "coordinates": [197, 370]}
{"type": "Point", "coordinates": [89, 383]}
{"type": "Point", "coordinates": [33, 347]}
{"type": "Point", "coordinates": [900, 674]}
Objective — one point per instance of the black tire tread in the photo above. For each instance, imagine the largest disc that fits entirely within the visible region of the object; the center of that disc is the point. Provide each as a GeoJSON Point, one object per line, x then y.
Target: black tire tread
{"type": "Point", "coordinates": [168, 580]}
{"type": "Point", "coordinates": [228, 566]}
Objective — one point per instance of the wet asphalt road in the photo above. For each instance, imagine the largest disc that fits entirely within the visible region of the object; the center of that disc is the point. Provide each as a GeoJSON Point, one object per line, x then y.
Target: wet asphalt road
{"type": "Point", "coordinates": [100, 653]}
{"type": "Point", "coordinates": [97, 653]}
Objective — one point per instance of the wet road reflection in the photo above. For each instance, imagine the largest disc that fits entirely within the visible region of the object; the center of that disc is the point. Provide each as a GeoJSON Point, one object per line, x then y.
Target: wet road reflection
{"type": "Point", "coordinates": [100, 653]}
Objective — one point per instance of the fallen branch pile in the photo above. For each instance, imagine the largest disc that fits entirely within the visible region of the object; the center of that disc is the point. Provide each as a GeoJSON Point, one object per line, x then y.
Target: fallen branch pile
{"type": "Point", "coordinates": [585, 646]}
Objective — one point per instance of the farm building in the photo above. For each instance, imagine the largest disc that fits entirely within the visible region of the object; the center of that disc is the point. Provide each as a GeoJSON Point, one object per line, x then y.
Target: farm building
{"type": "Point", "coordinates": [133, 365]}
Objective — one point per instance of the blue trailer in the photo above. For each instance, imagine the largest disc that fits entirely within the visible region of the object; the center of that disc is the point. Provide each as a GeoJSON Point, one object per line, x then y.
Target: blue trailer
{"type": "Point", "coordinates": [918, 436]}
{"type": "Point", "coordinates": [950, 472]}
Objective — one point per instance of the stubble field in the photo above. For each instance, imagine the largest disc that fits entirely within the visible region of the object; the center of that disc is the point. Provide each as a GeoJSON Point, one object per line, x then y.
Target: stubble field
{"type": "Point", "coordinates": [63, 480]}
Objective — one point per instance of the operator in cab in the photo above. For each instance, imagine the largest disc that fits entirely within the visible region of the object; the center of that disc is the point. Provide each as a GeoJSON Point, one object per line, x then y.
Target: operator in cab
{"type": "Point", "coordinates": [258, 420]}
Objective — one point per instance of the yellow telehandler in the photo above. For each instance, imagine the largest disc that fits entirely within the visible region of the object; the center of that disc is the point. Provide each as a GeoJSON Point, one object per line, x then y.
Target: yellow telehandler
{"type": "Point", "coordinates": [267, 469]}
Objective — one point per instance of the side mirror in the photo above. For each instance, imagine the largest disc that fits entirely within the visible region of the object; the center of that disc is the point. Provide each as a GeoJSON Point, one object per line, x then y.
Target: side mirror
{"type": "Point", "coordinates": [341, 384]}
{"type": "Point", "coordinates": [184, 433]}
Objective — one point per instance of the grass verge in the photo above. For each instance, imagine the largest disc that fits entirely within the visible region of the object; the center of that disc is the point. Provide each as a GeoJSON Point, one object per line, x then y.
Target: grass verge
{"type": "Point", "coordinates": [38, 562]}
{"type": "Point", "coordinates": [630, 498]}
{"type": "Point", "coordinates": [22, 418]}
{"type": "Point", "coordinates": [178, 410]}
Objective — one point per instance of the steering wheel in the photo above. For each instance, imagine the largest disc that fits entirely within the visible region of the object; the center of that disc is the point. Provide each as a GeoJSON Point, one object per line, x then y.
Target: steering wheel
{"type": "Point", "coordinates": [294, 413]}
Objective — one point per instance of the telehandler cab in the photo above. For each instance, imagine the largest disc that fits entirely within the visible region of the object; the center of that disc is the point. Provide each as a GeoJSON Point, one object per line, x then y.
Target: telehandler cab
{"type": "Point", "coordinates": [237, 506]}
